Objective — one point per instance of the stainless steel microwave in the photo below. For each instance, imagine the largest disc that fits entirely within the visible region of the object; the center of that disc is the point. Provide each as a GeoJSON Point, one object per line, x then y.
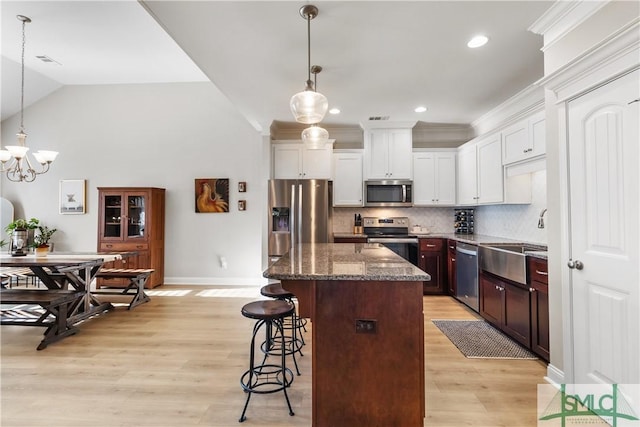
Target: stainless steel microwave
{"type": "Point", "coordinates": [388, 193]}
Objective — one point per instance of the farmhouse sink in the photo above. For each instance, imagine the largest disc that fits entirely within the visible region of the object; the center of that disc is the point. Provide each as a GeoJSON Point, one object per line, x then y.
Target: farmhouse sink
{"type": "Point", "coordinates": [508, 261]}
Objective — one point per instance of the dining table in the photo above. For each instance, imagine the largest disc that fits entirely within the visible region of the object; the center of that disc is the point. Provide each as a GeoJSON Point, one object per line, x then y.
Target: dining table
{"type": "Point", "coordinates": [70, 270]}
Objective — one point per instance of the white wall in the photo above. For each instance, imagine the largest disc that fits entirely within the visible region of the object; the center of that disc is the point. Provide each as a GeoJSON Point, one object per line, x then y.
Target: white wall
{"type": "Point", "coordinates": [161, 135]}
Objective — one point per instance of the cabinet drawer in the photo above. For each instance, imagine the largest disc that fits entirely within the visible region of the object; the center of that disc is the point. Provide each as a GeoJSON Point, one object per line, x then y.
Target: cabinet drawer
{"type": "Point", "coordinates": [110, 247]}
{"type": "Point", "coordinates": [431, 245]}
{"type": "Point", "coordinates": [538, 270]}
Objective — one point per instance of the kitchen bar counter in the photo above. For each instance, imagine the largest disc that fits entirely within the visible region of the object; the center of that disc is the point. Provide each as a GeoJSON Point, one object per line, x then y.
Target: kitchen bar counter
{"type": "Point", "coordinates": [344, 261]}
{"type": "Point", "coordinates": [365, 305]}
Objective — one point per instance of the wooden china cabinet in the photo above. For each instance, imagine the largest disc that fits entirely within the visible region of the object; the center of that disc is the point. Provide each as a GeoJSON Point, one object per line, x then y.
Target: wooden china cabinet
{"type": "Point", "coordinates": [132, 219]}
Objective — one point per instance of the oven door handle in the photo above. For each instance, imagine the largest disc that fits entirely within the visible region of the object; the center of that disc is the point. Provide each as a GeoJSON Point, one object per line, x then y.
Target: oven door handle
{"type": "Point", "coordinates": [391, 240]}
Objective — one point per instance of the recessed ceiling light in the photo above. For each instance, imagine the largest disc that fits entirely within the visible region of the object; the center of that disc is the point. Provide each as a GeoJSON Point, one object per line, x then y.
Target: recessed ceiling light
{"type": "Point", "coordinates": [420, 109]}
{"type": "Point", "coordinates": [334, 111]}
{"type": "Point", "coordinates": [477, 41]}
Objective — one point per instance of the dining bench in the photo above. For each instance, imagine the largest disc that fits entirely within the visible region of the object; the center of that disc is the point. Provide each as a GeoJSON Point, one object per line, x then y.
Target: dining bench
{"type": "Point", "coordinates": [137, 279]}
{"type": "Point", "coordinates": [56, 306]}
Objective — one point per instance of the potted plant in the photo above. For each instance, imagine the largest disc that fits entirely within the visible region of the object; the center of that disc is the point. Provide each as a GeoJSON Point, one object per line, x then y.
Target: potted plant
{"type": "Point", "coordinates": [41, 240]}
{"type": "Point", "coordinates": [19, 232]}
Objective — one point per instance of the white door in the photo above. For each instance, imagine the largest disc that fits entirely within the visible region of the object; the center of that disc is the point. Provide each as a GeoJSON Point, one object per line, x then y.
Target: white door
{"type": "Point", "coordinates": [603, 199]}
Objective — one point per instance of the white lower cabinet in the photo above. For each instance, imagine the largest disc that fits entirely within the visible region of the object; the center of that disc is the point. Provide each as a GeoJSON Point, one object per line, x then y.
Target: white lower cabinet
{"type": "Point", "coordinates": [434, 178]}
{"type": "Point", "coordinates": [347, 179]}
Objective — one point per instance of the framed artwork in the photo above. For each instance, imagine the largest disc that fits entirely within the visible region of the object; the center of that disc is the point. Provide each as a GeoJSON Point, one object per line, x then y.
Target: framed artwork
{"type": "Point", "coordinates": [212, 195]}
{"type": "Point", "coordinates": [72, 196]}
{"type": "Point", "coordinates": [242, 205]}
{"type": "Point", "coordinates": [242, 187]}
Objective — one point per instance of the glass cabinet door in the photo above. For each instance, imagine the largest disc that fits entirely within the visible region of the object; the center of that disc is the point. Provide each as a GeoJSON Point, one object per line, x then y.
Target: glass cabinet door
{"type": "Point", "coordinates": [135, 217]}
{"type": "Point", "coordinates": [113, 216]}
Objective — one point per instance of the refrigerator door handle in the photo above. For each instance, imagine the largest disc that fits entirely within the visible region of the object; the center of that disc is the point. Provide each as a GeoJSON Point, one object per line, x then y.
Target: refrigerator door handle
{"type": "Point", "coordinates": [299, 233]}
{"type": "Point", "coordinates": [293, 216]}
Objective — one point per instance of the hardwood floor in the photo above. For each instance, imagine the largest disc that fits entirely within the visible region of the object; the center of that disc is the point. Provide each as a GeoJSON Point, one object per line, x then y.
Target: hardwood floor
{"type": "Point", "coordinates": [177, 360]}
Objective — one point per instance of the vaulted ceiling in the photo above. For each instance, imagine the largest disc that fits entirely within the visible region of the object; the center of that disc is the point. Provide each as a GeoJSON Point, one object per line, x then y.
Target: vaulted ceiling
{"type": "Point", "coordinates": [380, 58]}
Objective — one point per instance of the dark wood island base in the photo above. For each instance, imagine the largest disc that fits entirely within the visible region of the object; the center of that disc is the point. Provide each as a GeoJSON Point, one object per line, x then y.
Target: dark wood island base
{"type": "Point", "coordinates": [368, 351]}
{"type": "Point", "coordinates": [367, 332]}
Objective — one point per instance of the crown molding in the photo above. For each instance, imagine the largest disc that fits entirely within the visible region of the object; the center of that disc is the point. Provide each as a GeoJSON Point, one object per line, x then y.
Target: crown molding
{"type": "Point", "coordinates": [614, 56]}
{"type": "Point", "coordinates": [563, 17]}
{"type": "Point", "coordinates": [523, 104]}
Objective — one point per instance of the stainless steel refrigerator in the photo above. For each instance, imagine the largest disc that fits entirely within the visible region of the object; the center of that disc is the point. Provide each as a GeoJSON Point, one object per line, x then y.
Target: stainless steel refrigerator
{"type": "Point", "coordinates": [300, 211]}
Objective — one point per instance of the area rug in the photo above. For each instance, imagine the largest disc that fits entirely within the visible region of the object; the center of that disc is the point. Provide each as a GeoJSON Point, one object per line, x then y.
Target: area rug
{"type": "Point", "coordinates": [478, 339]}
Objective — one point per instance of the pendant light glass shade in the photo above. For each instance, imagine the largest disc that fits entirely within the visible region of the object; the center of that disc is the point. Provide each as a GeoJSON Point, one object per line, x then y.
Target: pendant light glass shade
{"type": "Point", "coordinates": [315, 137]}
{"type": "Point", "coordinates": [309, 106]}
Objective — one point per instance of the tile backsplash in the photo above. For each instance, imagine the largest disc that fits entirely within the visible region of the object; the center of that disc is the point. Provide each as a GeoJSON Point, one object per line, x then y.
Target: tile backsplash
{"type": "Point", "coordinates": [518, 222]}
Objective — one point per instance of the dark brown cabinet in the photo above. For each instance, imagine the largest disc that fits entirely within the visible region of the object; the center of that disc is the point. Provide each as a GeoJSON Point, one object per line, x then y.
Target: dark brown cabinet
{"type": "Point", "coordinates": [431, 258]}
{"type": "Point", "coordinates": [451, 266]}
{"type": "Point", "coordinates": [131, 219]}
{"type": "Point", "coordinates": [520, 312]}
{"type": "Point", "coordinates": [506, 306]}
{"type": "Point", "coordinates": [539, 289]}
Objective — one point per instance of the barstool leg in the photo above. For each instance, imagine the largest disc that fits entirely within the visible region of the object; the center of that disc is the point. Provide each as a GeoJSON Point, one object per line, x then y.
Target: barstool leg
{"type": "Point", "coordinates": [284, 375]}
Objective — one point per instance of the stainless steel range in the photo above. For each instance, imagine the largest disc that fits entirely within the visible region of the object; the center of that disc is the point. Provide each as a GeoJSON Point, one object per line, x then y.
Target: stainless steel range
{"type": "Point", "coordinates": [393, 233]}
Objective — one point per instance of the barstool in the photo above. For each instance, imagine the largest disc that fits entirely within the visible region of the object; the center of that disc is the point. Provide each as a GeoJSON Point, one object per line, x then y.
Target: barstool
{"type": "Point", "coordinates": [267, 377]}
{"type": "Point", "coordinates": [295, 324]}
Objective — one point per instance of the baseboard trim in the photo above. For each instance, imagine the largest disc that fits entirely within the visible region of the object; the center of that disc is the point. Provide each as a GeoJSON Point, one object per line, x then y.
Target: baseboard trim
{"type": "Point", "coordinates": [217, 281]}
{"type": "Point", "coordinates": [554, 376]}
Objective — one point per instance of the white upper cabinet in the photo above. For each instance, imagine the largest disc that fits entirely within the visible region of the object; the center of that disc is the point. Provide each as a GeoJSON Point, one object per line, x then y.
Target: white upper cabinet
{"type": "Point", "coordinates": [347, 179]}
{"type": "Point", "coordinates": [490, 172]}
{"type": "Point", "coordinates": [294, 161]}
{"type": "Point", "coordinates": [480, 172]}
{"type": "Point", "coordinates": [524, 140]}
{"type": "Point", "coordinates": [467, 175]}
{"type": "Point", "coordinates": [434, 178]}
{"type": "Point", "coordinates": [388, 153]}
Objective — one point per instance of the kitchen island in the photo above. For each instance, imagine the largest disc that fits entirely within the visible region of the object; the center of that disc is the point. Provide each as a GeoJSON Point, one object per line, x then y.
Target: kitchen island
{"type": "Point", "coordinates": [365, 305]}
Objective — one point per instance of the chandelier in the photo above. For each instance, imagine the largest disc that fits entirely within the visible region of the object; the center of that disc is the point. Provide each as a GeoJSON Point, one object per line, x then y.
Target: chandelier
{"type": "Point", "coordinates": [309, 106]}
{"type": "Point", "coordinates": [19, 167]}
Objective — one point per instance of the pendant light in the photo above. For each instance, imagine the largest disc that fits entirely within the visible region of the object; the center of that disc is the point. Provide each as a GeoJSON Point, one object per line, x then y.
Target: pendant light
{"type": "Point", "coordinates": [309, 106]}
{"type": "Point", "coordinates": [314, 137]}
{"type": "Point", "coordinates": [19, 167]}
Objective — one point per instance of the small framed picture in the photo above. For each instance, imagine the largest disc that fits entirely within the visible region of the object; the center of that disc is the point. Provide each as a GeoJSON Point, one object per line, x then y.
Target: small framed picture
{"type": "Point", "coordinates": [242, 205]}
{"type": "Point", "coordinates": [242, 186]}
{"type": "Point", "coordinates": [72, 196]}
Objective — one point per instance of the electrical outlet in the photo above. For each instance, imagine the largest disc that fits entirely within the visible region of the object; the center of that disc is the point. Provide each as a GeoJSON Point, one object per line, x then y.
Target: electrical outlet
{"type": "Point", "coordinates": [366, 326]}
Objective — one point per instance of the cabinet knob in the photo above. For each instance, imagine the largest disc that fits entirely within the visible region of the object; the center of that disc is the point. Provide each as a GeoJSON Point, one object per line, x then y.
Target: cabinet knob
{"type": "Point", "coordinates": [532, 290]}
{"type": "Point", "coordinates": [453, 260]}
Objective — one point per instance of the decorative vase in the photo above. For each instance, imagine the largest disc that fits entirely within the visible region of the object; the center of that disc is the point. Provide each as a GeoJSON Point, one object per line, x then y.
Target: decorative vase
{"type": "Point", "coordinates": [42, 251]}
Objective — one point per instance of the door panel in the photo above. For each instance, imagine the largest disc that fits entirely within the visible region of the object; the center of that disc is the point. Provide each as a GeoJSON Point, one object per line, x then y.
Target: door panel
{"type": "Point", "coordinates": [603, 192]}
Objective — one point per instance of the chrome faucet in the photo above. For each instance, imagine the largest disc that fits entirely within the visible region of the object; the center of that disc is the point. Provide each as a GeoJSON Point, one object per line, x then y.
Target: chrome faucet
{"type": "Point", "coordinates": [541, 219]}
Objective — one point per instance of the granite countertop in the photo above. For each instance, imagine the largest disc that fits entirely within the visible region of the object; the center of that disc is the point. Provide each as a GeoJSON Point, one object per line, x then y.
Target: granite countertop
{"type": "Point", "coordinates": [473, 239]}
{"type": "Point", "coordinates": [344, 261]}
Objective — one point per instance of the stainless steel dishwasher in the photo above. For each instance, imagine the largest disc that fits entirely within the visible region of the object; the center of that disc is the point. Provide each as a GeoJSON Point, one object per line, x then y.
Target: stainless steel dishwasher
{"type": "Point", "coordinates": [467, 275]}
